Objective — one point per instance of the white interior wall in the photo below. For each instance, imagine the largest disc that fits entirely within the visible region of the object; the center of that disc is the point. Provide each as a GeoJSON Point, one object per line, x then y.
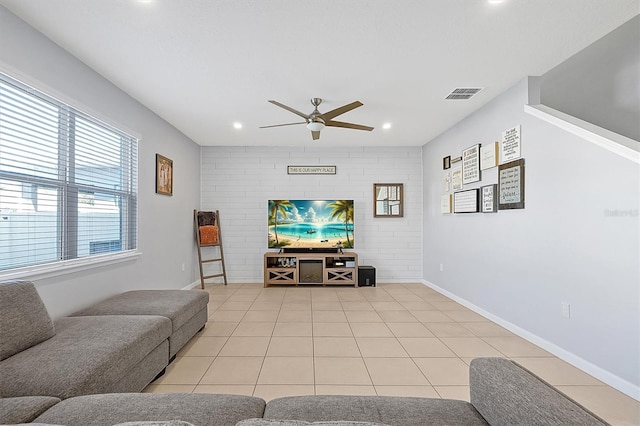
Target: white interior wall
{"type": "Point", "coordinates": [600, 84]}
{"type": "Point", "coordinates": [165, 224]}
{"type": "Point", "coordinates": [240, 181]}
{"type": "Point", "coordinates": [576, 241]}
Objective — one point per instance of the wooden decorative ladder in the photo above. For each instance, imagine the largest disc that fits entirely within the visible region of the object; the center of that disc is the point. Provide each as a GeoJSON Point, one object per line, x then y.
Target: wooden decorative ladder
{"type": "Point", "coordinates": [213, 239]}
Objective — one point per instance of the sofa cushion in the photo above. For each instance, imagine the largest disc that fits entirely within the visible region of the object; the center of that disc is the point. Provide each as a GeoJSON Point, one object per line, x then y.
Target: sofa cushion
{"type": "Point", "coordinates": [265, 422]}
{"type": "Point", "coordinates": [406, 411]}
{"type": "Point", "coordinates": [24, 318]}
{"type": "Point", "coordinates": [157, 423]}
{"type": "Point", "coordinates": [198, 409]}
{"type": "Point", "coordinates": [25, 408]}
{"type": "Point", "coordinates": [149, 423]}
{"type": "Point", "coordinates": [87, 355]}
{"type": "Point", "coordinates": [177, 305]}
{"type": "Point", "coordinates": [505, 393]}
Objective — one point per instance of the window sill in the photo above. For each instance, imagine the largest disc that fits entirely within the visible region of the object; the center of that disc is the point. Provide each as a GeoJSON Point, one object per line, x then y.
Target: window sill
{"type": "Point", "coordinates": [50, 270]}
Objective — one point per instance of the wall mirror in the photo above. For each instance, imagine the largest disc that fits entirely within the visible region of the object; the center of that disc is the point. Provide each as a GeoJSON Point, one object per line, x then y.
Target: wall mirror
{"type": "Point", "coordinates": [387, 200]}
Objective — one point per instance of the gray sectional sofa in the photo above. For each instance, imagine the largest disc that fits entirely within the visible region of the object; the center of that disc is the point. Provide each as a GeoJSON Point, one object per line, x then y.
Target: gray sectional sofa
{"type": "Point", "coordinates": [104, 350]}
{"type": "Point", "coordinates": [502, 393]}
{"type": "Point", "coordinates": [85, 370]}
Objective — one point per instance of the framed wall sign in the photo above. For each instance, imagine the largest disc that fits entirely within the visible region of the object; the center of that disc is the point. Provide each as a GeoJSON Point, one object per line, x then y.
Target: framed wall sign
{"type": "Point", "coordinates": [511, 185]}
{"type": "Point", "coordinates": [466, 201]}
{"type": "Point", "coordinates": [311, 170]}
{"type": "Point", "coordinates": [164, 175]}
{"type": "Point", "coordinates": [471, 164]}
{"type": "Point", "coordinates": [489, 197]}
{"type": "Point", "coordinates": [489, 155]}
{"type": "Point", "coordinates": [387, 200]}
{"type": "Point", "coordinates": [456, 178]}
{"type": "Point", "coordinates": [445, 204]}
{"type": "Point", "coordinates": [510, 144]}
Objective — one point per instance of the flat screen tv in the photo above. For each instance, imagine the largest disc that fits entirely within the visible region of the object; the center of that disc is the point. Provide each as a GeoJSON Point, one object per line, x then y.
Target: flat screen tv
{"type": "Point", "coordinates": [311, 224]}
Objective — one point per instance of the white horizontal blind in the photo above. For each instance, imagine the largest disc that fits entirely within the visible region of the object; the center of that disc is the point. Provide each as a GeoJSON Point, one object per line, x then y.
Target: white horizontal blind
{"type": "Point", "coordinates": [68, 182]}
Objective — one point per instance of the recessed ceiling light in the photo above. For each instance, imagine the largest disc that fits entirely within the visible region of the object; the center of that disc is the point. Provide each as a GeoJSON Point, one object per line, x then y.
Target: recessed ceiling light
{"type": "Point", "coordinates": [237, 125]}
{"type": "Point", "coordinates": [386, 126]}
{"type": "Point", "coordinates": [495, 1]}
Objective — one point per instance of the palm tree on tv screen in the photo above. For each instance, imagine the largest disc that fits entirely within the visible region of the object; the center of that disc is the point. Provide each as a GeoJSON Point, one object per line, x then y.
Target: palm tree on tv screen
{"type": "Point", "coordinates": [343, 209]}
{"type": "Point", "coordinates": [275, 207]}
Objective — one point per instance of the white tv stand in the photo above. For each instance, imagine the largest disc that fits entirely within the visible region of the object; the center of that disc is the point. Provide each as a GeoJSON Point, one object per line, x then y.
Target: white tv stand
{"type": "Point", "coordinates": [310, 268]}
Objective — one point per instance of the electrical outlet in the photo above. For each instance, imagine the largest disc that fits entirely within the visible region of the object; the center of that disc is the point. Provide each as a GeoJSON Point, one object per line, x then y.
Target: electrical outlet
{"type": "Point", "coordinates": [441, 267]}
{"type": "Point", "coordinates": [183, 267]}
{"type": "Point", "coordinates": [566, 309]}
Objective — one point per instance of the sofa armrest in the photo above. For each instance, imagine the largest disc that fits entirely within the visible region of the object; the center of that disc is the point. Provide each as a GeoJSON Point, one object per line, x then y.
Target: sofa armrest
{"type": "Point", "coordinates": [505, 393]}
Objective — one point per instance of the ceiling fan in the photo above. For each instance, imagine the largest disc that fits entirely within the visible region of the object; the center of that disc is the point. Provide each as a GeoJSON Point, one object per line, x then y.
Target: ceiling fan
{"type": "Point", "coordinates": [316, 121]}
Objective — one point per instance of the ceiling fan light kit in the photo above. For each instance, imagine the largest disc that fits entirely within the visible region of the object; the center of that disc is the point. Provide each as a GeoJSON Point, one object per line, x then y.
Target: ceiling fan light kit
{"type": "Point", "coordinates": [316, 125]}
{"type": "Point", "coordinates": [317, 121]}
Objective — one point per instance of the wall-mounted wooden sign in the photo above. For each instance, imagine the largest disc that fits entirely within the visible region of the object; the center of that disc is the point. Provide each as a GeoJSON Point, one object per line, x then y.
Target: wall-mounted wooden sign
{"type": "Point", "coordinates": [311, 170]}
{"type": "Point", "coordinates": [511, 181]}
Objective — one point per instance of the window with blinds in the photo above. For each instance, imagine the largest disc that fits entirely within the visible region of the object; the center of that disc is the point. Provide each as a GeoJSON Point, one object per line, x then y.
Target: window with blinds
{"type": "Point", "coordinates": [68, 182]}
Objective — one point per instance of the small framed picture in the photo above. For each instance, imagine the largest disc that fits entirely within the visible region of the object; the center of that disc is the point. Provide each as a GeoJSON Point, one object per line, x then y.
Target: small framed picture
{"type": "Point", "coordinates": [446, 162]}
{"type": "Point", "coordinates": [164, 175]}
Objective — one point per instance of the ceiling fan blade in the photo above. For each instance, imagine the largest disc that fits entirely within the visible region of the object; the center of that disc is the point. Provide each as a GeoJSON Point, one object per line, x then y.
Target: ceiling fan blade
{"type": "Point", "coordinates": [315, 135]}
{"type": "Point", "coordinates": [280, 125]}
{"type": "Point", "coordinates": [347, 125]}
{"type": "Point", "coordinates": [345, 108]}
{"type": "Point", "coordinates": [296, 112]}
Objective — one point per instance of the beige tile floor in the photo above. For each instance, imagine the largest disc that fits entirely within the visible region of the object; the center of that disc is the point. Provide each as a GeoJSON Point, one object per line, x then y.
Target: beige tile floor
{"type": "Point", "coordinates": [394, 339]}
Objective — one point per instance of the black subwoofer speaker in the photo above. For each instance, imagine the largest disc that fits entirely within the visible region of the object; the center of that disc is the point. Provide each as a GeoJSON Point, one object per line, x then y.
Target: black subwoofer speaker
{"type": "Point", "coordinates": [366, 276]}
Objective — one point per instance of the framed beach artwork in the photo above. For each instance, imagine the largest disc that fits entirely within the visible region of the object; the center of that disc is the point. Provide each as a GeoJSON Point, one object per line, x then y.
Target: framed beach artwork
{"type": "Point", "coordinates": [164, 175]}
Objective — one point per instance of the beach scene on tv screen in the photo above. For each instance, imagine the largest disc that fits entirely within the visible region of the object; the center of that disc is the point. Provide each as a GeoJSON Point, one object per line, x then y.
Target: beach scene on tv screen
{"type": "Point", "coordinates": [311, 224]}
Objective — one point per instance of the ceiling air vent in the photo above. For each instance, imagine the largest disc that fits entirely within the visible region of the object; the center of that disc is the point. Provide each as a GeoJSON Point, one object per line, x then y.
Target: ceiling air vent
{"type": "Point", "coordinates": [463, 93]}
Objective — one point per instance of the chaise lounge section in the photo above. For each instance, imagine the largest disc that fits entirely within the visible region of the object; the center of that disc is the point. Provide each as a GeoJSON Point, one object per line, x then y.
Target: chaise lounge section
{"type": "Point", "coordinates": [187, 311]}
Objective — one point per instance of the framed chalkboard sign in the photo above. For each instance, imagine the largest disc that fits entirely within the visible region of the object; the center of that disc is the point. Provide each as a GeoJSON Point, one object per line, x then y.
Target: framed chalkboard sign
{"type": "Point", "coordinates": [511, 185]}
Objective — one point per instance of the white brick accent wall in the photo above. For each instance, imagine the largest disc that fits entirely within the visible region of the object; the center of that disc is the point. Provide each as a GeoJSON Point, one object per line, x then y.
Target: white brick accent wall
{"type": "Point", "coordinates": [239, 181]}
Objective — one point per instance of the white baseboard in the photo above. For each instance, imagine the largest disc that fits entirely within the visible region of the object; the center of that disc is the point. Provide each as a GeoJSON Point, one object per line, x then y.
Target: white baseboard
{"type": "Point", "coordinates": [192, 285]}
{"type": "Point", "coordinates": [599, 373]}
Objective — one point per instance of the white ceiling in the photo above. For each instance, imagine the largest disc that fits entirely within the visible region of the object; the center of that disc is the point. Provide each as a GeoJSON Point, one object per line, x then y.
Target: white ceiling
{"type": "Point", "coordinates": [204, 64]}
